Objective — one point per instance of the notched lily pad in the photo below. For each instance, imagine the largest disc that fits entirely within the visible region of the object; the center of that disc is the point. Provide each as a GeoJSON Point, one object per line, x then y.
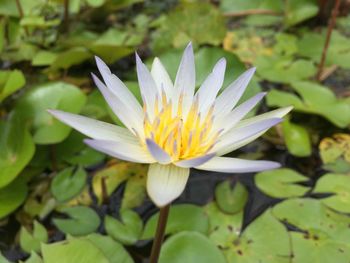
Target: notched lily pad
{"type": "Point", "coordinates": [281, 183]}
{"type": "Point", "coordinates": [339, 185]}
{"type": "Point", "coordinates": [231, 200]}
{"type": "Point", "coordinates": [32, 241]}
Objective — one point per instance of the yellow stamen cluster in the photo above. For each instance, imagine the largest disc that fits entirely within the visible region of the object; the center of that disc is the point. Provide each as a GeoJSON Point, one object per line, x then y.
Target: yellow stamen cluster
{"type": "Point", "coordinates": [182, 138]}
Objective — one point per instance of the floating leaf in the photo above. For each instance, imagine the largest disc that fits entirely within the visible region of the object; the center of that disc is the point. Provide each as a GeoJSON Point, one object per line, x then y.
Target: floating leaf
{"type": "Point", "coordinates": [311, 46]}
{"type": "Point", "coordinates": [297, 11]}
{"type": "Point", "coordinates": [68, 183]}
{"type": "Point", "coordinates": [228, 6]}
{"type": "Point", "coordinates": [176, 249]}
{"type": "Point", "coordinates": [326, 233]}
{"type": "Point", "coordinates": [116, 174]}
{"type": "Point", "coordinates": [222, 226]}
{"type": "Point", "coordinates": [185, 217]}
{"type": "Point", "coordinates": [127, 230]}
{"type": "Point", "coordinates": [335, 153]}
{"type": "Point", "coordinates": [296, 138]}
{"type": "Point", "coordinates": [135, 190]}
{"type": "Point", "coordinates": [284, 69]}
{"type": "Point", "coordinates": [339, 185]}
{"type": "Point", "coordinates": [10, 81]}
{"type": "Point", "coordinates": [231, 200]}
{"type": "Point", "coordinates": [83, 220]}
{"type": "Point", "coordinates": [56, 95]}
{"type": "Point", "coordinates": [12, 196]}
{"type": "Point", "coordinates": [73, 250]}
{"type": "Point", "coordinates": [17, 149]}
{"type": "Point", "coordinates": [325, 103]}
{"type": "Point", "coordinates": [203, 24]}
{"type": "Point", "coordinates": [281, 183]}
{"type": "Point", "coordinates": [264, 240]}
{"type": "Point", "coordinates": [31, 242]}
{"type": "Point", "coordinates": [113, 251]}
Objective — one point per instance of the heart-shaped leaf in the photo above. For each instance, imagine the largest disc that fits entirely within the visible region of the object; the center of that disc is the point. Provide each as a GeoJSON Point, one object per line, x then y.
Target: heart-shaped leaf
{"type": "Point", "coordinates": [82, 221]}
{"type": "Point", "coordinates": [56, 95]}
{"type": "Point", "coordinates": [32, 242]}
{"type": "Point", "coordinates": [231, 200]}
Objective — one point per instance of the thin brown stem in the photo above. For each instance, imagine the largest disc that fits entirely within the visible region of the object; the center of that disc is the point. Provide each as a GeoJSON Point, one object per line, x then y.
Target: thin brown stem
{"type": "Point", "coordinates": [331, 25]}
{"type": "Point", "coordinates": [21, 15]}
{"type": "Point", "coordinates": [66, 15]}
{"type": "Point", "coordinates": [158, 239]}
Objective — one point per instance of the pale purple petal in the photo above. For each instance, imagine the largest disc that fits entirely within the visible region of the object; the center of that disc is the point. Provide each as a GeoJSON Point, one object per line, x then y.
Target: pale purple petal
{"type": "Point", "coordinates": [188, 163]}
{"type": "Point", "coordinates": [186, 78]}
{"type": "Point", "coordinates": [236, 135]}
{"type": "Point", "coordinates": [211, 85]}
{"type": "Point", "coordinates": [161, 78]}
{"type": "Point", "coordinates": [228, 99]}
{"type": "Point", "coordinates": [229, 121]}
{"type": "Point", "coordinates": [121, 150]}
{"type": "Point", "coordinates": [235, 165]}
{"type": "Point", "coordinates": [158, 153]}
{"type": "Point", "coordinates": [130, 120]}
{"type": "Point", "coordinates": [94, 128]}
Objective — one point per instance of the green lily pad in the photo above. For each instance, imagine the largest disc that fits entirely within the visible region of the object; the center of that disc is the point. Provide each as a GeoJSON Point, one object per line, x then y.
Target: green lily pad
{"type": "Point", "coordinates": [284, 69]}
{"type": "Point", "coordinates": [127, 230]}
{"type": "Point", "coordinates": [325, 103]}
{"type": "Point", "coordinates": [202, 24]}
{"type": "Point", "coordinates": [311, 46]}
{"type": "Point", "coordinates": [281, 183]}
{"type": "Point", "coordinates": [339, 185]}
{"type": "Point", "coordinates": [335, 153]}
{"type": "Point", "coordinates": [184, 217]}
{"type": "Point", "coordinates": [190, 247]}
{"type": "Point", "coordinates": [115, 175]}
{"type": "Point", "coordinates": [297, 139]}
{"type": "Point", "coordinates": [83, 220]}
{"type": "Point", "coordinates": [10, 81]}
{"type": "Point", "coordinates": [264, 240]}
{"type": "Point", "coordinates": [113, 251]}
{"type": "Point", "coordinates": [17, 149]}
{"type": "Point", "coordinates": [68, 183]}
{"type": "Point", "coordinates": [231, 200]}
{"type": "Point", "coordinates": [56, 95]}
{"type": "Point", "coordinates": [297, 11]}
{"type": "Point", "coordinates": [12, 196]}
{"type": "Point", "coordinates": [32, 242]}
{"type": "Point", "coordinates": [73, 250]}
{"type": "Point", "coordinates": [326, 233]}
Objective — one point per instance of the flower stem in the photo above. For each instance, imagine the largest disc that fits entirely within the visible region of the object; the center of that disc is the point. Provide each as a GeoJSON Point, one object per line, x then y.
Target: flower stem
{"type": "Point", "coordinates": [158, 240]}
{"type": "Point", "coordinates": [331, 25]}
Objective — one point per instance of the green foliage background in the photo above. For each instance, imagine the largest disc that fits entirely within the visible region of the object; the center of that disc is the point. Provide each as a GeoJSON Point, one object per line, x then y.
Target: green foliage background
{"type": "Point", "coordinates": [63, 202]}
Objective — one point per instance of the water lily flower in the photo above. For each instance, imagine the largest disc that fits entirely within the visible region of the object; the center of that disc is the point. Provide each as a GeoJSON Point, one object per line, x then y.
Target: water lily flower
{"type": "Point", "coordinates": [176, 128]}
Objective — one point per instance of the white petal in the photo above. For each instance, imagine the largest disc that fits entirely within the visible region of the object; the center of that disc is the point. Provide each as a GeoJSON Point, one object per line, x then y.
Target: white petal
{"type": "Point", "coordinates": [278, 113]}
{"type": "Point", "coordinates": [158, 153]}
{"type": "Point", "coordinates": [211, 85]}
{"type": "Point", "coordinates": [148, 87]}
{"type": "Point", "coordinates": [161, 78]}
{"type": "Point", "coordinates": [118, 88]}
{"type": "Point", "coordinates": [231, 95]}
{"type": "Point", "coordinates": [229, 121]}
{"type": "Point", "coordinates": [194, 161]}
{"type": "Point", "coordinates": [230, 140]}
{"type": "Point", "coordinates": [186, 78]}
{"type": "Point", "coordinates": [165, 183]}
{"type": "Point", "coordinates": [94, 128]}
{"type": "Point", "coordinates": [121, 150]}
{"type": "Point", "coordinates": [234, 165]}
{"type": "Point", "coordinates": [130, 120]}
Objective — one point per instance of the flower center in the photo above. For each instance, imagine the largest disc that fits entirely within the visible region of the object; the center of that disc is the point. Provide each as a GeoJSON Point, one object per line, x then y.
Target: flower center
{"type": "Point", "coordinates": [181, 138]}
